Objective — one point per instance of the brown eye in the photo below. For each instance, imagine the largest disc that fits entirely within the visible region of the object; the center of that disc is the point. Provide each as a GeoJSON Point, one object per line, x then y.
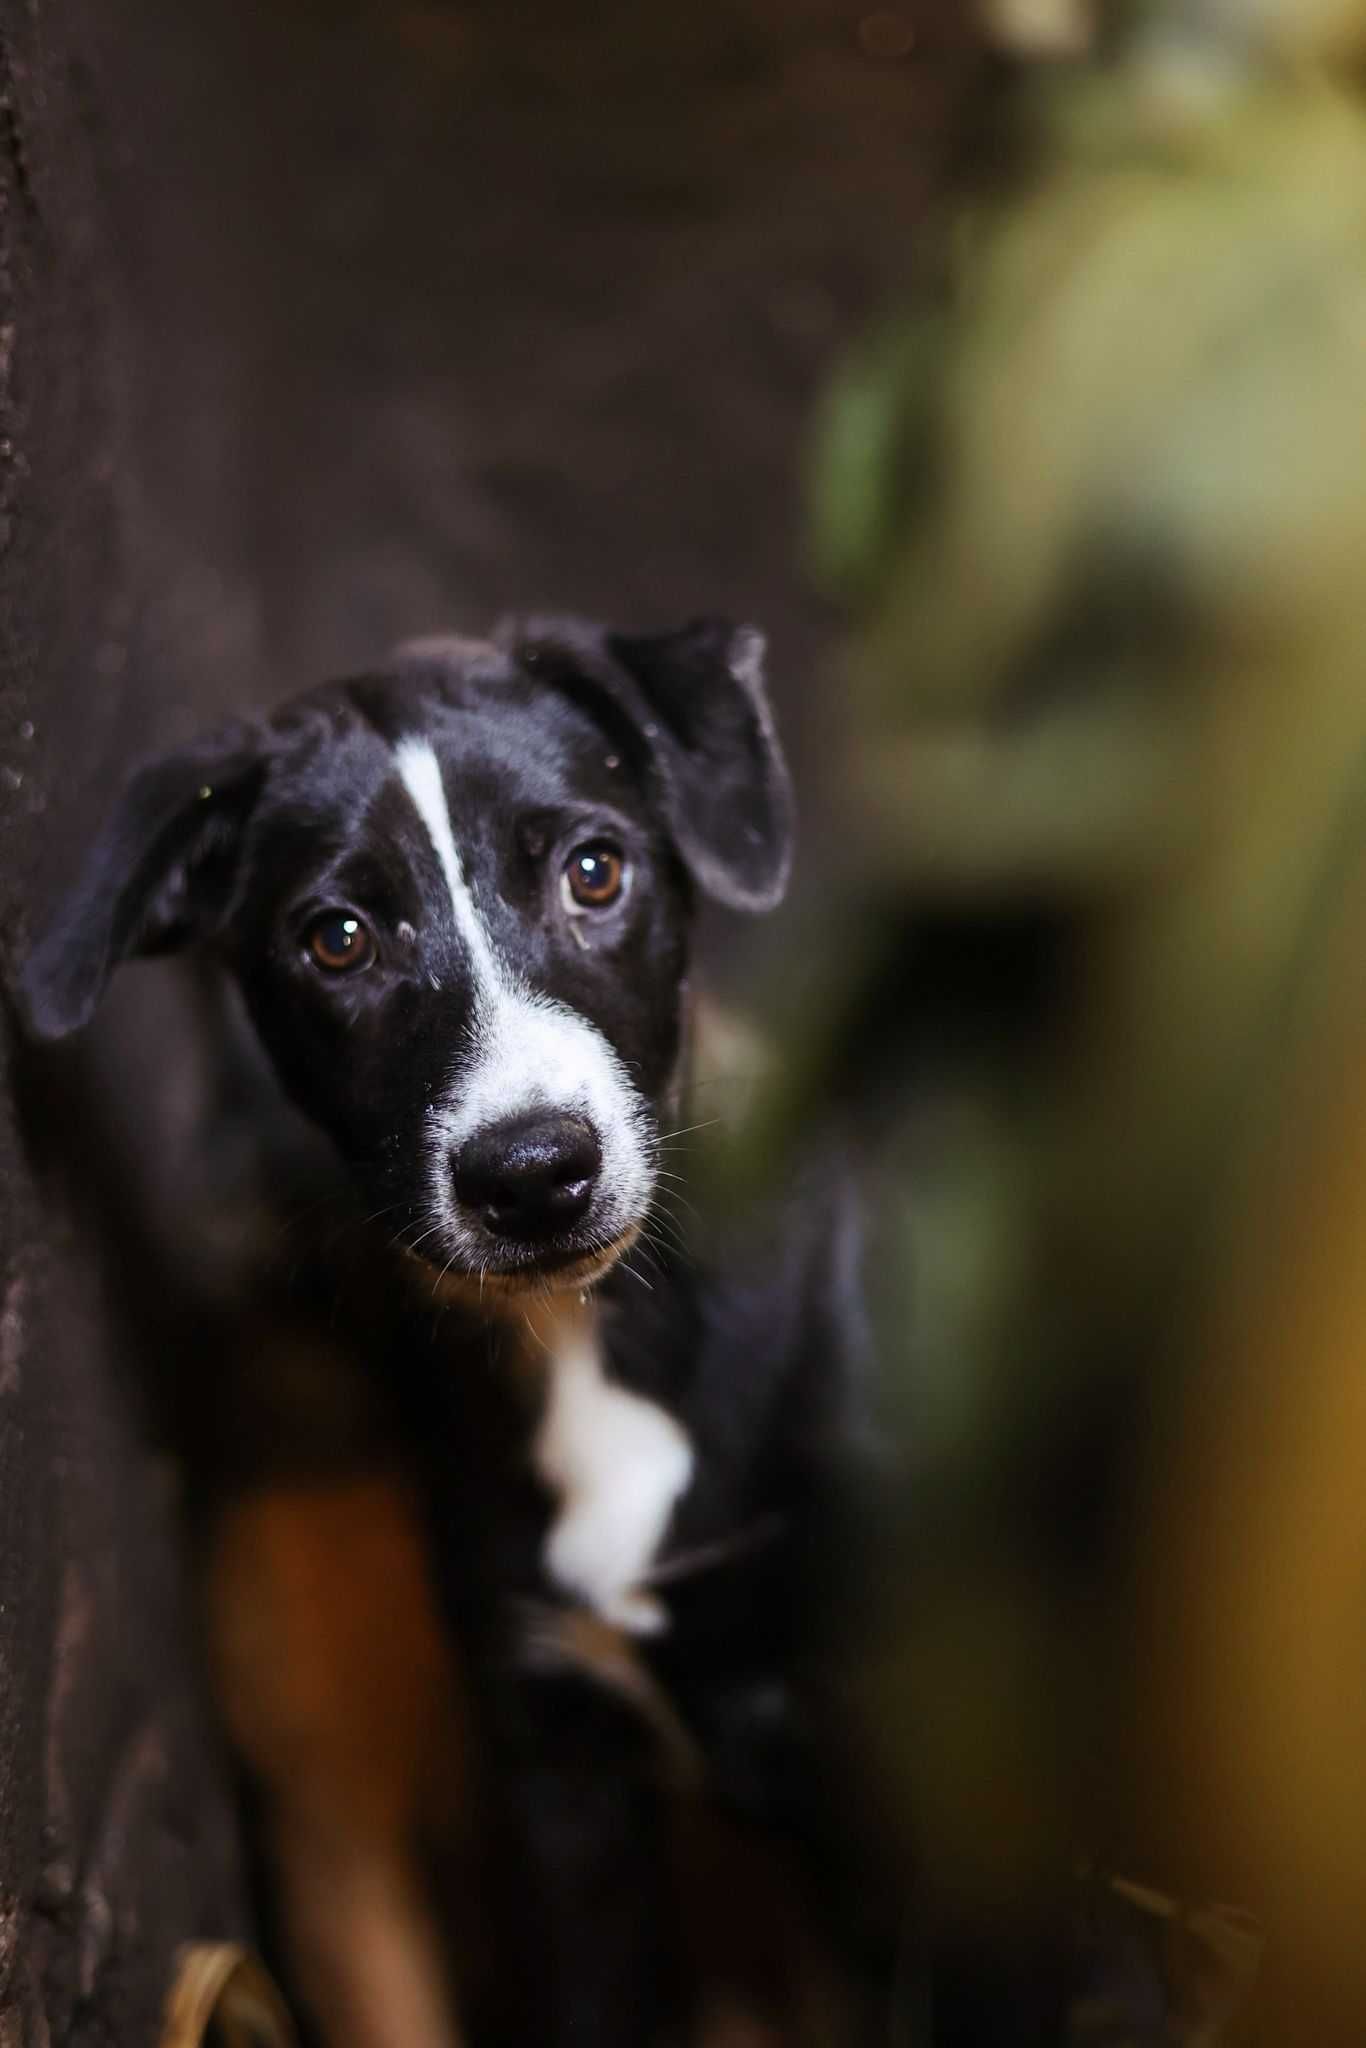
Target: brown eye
{"type": "Point", "coordinates": [594, 876]}
{"type": "Point", "coordinates": [340, 943]}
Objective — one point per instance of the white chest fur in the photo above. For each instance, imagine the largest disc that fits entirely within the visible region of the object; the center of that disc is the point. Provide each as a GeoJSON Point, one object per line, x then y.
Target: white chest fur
{"type": "Point", "coordinates": [616, 1464]}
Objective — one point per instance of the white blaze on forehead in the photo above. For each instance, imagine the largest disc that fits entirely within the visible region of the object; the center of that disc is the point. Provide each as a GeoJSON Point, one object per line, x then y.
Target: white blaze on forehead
{"type": "Point", "coordinates": [420, 773]}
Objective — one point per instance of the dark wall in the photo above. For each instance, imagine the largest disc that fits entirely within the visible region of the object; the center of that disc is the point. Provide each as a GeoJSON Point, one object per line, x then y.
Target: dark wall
{"type": "Point", "coordinates": [320, 324]}
{"type": "Point", "coordinates": [115, 1841]}
{"type": "Point", "coordinates": [460, 308]}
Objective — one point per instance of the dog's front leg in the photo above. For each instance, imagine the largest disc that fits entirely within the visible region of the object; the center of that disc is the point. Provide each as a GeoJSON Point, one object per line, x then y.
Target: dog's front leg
{"type": "Point", "coordinates": [363, 1947]}
{"type": "Point", "coordinates": [582, 1874]}
{"type": "Point", "coordinates": [340, 1693]}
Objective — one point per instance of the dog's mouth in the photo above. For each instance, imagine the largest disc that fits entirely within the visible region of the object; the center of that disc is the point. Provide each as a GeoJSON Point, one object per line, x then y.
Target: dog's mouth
{"type": "Point", "coordinates": [549, 1269]}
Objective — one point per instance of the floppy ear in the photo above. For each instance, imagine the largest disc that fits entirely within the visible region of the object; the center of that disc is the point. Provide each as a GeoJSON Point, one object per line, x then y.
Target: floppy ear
{"type": "Point", "coordinates": [695, 703]}
{"type": "Point", "coordinates": [159, 875]}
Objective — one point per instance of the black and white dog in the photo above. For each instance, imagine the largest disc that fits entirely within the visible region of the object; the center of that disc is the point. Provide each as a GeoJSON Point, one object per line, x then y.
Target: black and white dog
{"type": "Point", "coordinates": [456, 897]}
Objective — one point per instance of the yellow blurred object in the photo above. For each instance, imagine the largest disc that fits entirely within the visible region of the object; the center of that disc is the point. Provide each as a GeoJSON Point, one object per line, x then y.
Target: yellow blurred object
{"type": "Point", "coordinates": [223, 1998]}
{"type": "Point", "coordinates": [1039, 28]}
{"type": "Point", "coordinates": [1259, 1630]}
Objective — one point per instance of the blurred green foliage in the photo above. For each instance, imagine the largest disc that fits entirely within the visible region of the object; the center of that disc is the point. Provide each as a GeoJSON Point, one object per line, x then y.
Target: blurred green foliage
{"type": "Point", "coordinates": [1099, 515]}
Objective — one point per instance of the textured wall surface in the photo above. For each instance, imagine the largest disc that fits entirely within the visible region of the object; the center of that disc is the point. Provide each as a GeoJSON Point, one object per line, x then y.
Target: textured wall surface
{"type": "Point", "coordinates": [114, 1834]}
{"type": "Point", "coordinates": [319, 324]}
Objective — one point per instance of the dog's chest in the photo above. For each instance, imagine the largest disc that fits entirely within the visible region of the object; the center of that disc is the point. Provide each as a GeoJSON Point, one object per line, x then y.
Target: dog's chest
{"type": "Point", "coordinates": [615, 1465]}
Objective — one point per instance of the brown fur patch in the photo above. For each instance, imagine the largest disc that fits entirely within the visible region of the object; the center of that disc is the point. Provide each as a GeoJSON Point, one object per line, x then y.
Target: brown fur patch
{"type": "Point", "coordinates": [340, 1689]}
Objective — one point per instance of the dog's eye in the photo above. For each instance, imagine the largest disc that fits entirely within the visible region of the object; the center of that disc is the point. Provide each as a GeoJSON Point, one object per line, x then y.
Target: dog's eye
{"type": "Point", "coordinates": [594, 876]}
{"type": "Point", "coordinates": [340, 943]}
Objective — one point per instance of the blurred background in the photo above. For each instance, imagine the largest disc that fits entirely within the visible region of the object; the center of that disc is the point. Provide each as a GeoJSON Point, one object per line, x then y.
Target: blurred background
{"type": "Point", "coordinates": [1008, 365]}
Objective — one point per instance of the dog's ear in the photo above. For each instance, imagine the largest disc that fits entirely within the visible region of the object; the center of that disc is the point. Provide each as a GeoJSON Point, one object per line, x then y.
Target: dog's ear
{"type": "Point", "coordinates": [695, 703]}
{"type": "Point", "coordinates": [159, 875]}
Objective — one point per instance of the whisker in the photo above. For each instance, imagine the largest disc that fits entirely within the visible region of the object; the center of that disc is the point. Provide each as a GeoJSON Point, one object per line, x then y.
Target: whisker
{"type": "Point", "coordinates": [413, 1243]}
{"type": "Point", "coordinates": [667, 1196]}
{"type": "Point", "coordinates": [662, 1239]}
{"type": "Point", "coordinates": [662, 1207]}
{"type": "Point", "coordinates": [684, 1129]}
{"type": "Point", "coordinates": [696, 1086]}
{"type": "Point", "coordinates": [645, 1244]}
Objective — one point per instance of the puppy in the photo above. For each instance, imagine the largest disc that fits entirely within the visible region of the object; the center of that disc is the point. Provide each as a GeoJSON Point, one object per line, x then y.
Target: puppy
{"type": "Point", "coordinates": [455, 897]}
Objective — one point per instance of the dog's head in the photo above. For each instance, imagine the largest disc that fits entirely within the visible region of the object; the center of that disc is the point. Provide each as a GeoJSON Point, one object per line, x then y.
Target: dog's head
{"type": "Point", "coordinates": [456, 896]}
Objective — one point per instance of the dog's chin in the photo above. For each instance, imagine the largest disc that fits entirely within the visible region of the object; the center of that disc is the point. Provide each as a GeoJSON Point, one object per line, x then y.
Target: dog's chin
{"type": "Point", "coordinates": [557, 1271]}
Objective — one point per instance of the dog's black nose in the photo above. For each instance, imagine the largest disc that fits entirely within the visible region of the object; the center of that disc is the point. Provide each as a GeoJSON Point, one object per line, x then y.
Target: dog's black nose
{"type": "Point", "coordinates": [530, 1177]}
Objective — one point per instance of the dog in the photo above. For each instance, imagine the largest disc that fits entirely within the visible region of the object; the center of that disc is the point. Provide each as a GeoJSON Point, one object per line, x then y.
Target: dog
{"type": "Point", "coordinates": [454, 898]}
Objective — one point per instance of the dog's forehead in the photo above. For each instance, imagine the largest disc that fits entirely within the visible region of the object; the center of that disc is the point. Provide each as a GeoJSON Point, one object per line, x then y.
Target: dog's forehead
{"type": "Point", "coordinates": [496, 731]}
